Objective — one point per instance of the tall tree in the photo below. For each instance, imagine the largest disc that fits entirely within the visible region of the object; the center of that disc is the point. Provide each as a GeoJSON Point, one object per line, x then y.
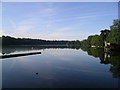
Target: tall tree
{"type": "Point", "coordinates": [114, 36]}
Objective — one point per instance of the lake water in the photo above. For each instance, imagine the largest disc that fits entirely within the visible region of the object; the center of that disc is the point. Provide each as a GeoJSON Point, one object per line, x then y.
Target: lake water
{"type": "Point", "coordinates": [58, 68]}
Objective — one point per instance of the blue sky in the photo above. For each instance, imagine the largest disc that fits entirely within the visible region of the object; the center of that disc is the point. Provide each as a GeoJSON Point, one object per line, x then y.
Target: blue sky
{"type": "Point", "coordinates": [57, 21]}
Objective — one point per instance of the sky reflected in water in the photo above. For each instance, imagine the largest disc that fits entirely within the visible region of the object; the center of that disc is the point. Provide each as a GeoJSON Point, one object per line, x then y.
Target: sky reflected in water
{"type": "Point", "coordinates": [57, 68]}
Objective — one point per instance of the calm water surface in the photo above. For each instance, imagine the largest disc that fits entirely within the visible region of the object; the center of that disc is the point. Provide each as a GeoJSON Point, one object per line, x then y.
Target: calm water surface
{"type": "Point", "coordinates": [57, 68]}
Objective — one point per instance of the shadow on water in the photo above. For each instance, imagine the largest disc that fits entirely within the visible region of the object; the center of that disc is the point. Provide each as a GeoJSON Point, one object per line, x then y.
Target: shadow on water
{"type": "Point", "coordinates": [112, 58]}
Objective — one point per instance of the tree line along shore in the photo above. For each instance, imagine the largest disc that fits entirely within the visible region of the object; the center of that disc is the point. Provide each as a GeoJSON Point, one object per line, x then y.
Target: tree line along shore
{"type": "Point", "coordinates": [109, 39]}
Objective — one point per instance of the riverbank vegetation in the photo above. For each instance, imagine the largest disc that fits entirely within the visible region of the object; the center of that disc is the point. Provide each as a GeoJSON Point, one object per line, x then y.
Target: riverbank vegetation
{"type": "Point", "coordinates": [7, 40]}
{"type": "Point", "coordinates": [110, 37]}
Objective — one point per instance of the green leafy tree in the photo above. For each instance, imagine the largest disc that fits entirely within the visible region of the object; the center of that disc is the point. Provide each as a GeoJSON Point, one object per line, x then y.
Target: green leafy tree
{"type": "Point", "coordinates": [114, 36]}
{"type": "Point", "coordinates": [104, 34]}
{"type": "Point", "coordinates": [96, 41]}
{"type": "Point", "coordinates": [89, 40]}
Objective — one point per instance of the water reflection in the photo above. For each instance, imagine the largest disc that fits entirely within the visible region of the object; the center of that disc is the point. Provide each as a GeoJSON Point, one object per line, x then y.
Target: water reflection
{"type": "Point", "coordinates": [112, 58]}
{"type": "Point", "coordinates": [61, 67]}
{"type": "Point", "coordinates": [16, 49]}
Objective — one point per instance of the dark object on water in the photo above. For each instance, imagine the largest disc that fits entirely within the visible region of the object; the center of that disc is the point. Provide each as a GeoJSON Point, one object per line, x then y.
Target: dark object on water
{"type": "Point", "coordinates": [36, 73]}
{"type": "Point", "coordinates": [17, 55]}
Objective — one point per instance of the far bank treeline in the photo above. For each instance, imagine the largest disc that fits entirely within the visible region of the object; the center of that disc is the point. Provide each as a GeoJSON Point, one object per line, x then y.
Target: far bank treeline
{"type": "Point", "coordinates": [8, 40]}
{"type": "Point", "coordinates": [112, 36]}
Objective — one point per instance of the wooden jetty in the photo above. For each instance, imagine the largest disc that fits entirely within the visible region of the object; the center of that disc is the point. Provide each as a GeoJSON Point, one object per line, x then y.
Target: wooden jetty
{"type": "Point", "coordinates": [18, 55]}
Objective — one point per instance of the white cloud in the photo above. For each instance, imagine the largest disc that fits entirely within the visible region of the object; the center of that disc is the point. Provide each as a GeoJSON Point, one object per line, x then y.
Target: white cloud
{"type": "Point", "coordinates": [79, 17]}
{"type": "Point", "coordinates": [29, 21]}
{"type": "Point", "coordinates": [12, 23]}
{"type": "Point", "coordinates": [64, 29]}
{"type": "Point", "coordinates": [54, 35]}
{"type": "Point", "coordinates": [47, 10]}
{"type": "Point", "coordinates": [23, 28]}
{"type": "Point", "coordinates": [48, 26]}
{"type": "Point", "coordinates": [3, 32]}
{"type": "Point", "coordinates": [0, 32]}
{"type": "Point", "coordinates": [64, 36]}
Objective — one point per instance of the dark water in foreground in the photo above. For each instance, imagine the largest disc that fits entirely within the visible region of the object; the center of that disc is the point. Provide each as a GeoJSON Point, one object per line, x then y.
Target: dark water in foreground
{"type": "Point", "coordinates": [61, 68]}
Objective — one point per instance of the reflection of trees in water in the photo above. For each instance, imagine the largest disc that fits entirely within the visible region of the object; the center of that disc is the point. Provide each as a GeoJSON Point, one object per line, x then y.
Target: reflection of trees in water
{"type": "Point", "coordinates": [112, 58]}
{"type": "Point", "coordinates": [115, 65]}
{"type": "Point", "coordinates": [12, 49]}
{"type": "Point", "coordinates": [115, 71]}
{"type": "Point", "coordinates": [74, 47]}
